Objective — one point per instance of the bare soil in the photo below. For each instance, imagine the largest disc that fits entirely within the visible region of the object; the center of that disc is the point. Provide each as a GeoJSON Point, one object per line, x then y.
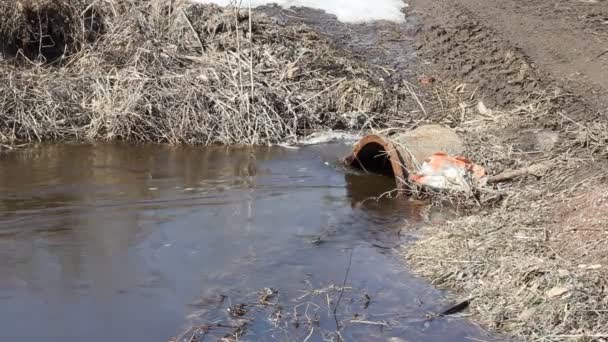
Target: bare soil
{"type": "Point", "coordinates": [565, 41]}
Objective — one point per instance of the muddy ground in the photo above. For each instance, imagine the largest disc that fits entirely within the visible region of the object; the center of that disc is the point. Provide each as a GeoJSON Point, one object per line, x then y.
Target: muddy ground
{"type": "Point", "coordinates": [566, 40]}
{"type": "Point", "coordinates": [385, 45]}
{"type": "Point", "coordinates": [563, 42]}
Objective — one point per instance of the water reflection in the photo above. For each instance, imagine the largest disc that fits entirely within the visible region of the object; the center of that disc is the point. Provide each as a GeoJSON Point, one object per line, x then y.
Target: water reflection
{"type": "Point", "coordinates": [115, 242]}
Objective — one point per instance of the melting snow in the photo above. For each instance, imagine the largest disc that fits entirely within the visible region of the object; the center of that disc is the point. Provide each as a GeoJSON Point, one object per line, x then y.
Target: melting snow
{"type": "Point", "coordinates": [345, 10]}
{"type": "Point", "coordinates": [328, 137]}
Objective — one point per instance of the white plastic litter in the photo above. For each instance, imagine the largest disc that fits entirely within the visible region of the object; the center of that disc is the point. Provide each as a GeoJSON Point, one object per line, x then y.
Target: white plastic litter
{"type": "Point", "coordinates": [443, 172]}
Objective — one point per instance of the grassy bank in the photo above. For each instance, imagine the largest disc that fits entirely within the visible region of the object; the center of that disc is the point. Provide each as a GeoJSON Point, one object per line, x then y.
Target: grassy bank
{"type": "Point", "coordinates": [534, 261]}
{"type": "Point", "coordinates": [169, 71]}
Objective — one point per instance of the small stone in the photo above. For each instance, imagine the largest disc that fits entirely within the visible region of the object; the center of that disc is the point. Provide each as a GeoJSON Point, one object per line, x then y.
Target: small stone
{"type": "Point", "coordinates": [482, 109]}
{"type": "Point", "coordinates": [427, 140]}
{"type": "Point", "coordinates": [426, 80]}
{"type": "Point", "coordinates": [557, 291]}
{"type": "Point", "coordinates": [536, 141]}
{"type": "Point", "coordinates": [590, 267]}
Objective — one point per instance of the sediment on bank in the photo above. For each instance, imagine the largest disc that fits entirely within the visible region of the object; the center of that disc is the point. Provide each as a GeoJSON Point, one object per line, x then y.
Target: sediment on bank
{"type": "Point", "coordinates": [534, 263]}
{"type": "Point", "coordinates": [175, 72]}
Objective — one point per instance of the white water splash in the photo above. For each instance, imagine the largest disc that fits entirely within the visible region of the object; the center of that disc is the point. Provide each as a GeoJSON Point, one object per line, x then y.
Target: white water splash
{"type": "Point", "coordinates": [346, 10]}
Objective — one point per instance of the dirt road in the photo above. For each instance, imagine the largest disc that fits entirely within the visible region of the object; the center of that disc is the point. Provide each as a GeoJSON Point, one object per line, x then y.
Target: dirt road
{"type": "Point", "coordinates": [566, 41]}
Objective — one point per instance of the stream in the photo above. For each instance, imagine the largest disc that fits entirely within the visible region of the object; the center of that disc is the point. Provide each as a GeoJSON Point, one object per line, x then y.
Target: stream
{"type": "Point", "coordinates": [115, 242]}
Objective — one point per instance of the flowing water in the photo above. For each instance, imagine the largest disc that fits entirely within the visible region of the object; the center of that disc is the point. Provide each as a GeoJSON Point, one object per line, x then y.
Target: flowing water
{"type": "Point", "coordinates": [138, 243]}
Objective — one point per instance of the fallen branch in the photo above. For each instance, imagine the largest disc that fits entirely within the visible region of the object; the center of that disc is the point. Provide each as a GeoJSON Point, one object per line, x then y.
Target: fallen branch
{"type": "Point", "coordinates": [384, 324]}
{"type": "Point", "coordinates": [535, 170]}
{"type": "Point", "coordinates": [454, 309]}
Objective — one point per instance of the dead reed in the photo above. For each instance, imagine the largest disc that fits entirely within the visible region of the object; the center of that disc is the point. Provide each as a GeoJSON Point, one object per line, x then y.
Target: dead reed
{"type": "Point", "coordinates": [173, 72]}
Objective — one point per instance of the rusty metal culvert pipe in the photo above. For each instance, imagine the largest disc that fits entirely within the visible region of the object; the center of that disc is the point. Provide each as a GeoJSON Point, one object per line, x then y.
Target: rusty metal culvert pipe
{"type": "Point", "coordinates": [401, 154]}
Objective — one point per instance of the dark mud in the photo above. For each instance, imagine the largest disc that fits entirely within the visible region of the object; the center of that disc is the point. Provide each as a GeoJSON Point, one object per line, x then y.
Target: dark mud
{"type": "Point", "coordinates": [465, 50]}
{"type": "Point", "coordinates": [507, 49]}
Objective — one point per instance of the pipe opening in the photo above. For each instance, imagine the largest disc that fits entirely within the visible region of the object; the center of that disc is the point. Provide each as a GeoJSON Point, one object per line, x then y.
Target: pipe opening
{"type": "Point", "coordinates": [373, 158]}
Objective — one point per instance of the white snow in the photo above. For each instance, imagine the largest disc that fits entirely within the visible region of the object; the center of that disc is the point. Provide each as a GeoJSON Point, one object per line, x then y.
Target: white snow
{"type": "Point", "coordinates": [348, 11]}
{"type": "Point", "coordinates": [329, 136]}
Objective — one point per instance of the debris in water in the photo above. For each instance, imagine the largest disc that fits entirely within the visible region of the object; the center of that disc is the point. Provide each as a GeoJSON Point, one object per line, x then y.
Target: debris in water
{"type": "Point", "coordinates": [237, 310]}
{"type": "Point", "coordinates": [266, 295]}
{"type": "Point", "coordinates": [456, 308]}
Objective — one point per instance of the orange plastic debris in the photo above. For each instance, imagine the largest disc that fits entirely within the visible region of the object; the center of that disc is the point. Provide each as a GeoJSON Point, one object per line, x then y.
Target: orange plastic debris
{"type": "Point", "coordinates": [444, 172]}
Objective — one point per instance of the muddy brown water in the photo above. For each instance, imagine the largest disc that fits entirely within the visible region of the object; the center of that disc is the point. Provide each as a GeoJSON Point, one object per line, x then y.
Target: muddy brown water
{"type": "Point", "coordinates": [139, 243]}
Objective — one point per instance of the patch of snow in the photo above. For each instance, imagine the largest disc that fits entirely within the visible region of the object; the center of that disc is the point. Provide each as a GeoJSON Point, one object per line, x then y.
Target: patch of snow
{"type": "Point", "coordinates": [329, 137]}
{"type": "Point", "coordinates": [348, 11]}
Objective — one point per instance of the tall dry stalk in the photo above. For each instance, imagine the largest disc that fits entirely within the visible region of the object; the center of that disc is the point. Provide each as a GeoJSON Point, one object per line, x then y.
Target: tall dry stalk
{"type": "Point", "coordinates": [170, 71]}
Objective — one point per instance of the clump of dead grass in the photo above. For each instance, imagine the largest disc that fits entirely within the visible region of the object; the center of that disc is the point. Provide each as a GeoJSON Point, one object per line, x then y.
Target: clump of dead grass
{"type": "Point", "coordinates": [171, 71]}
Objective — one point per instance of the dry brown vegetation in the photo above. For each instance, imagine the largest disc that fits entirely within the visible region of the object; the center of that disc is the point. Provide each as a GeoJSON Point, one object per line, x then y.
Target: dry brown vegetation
{"type": "Point", "coordinates": [170, 71]}
{"type": "Point", "coordinates": [535, 262]}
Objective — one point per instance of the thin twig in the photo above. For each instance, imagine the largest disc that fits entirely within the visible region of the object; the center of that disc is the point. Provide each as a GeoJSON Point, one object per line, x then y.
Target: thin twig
{"type": "Point", "coordinates": [198, 38]}
{"type": "Point", "coordinates": [312, 329]}
{"type": "Point", "coordinates": [409, 89]}
{"type": "Point", "coordinates": [350, 261]}
{"type": "Point", "coordinates": [368, 322]}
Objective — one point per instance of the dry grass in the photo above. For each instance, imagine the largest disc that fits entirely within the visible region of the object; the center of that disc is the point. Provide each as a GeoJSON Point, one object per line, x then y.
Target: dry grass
{"type": "Point", "coordinates": [505, 261]}
{"type": "Point", "coordinates": [169, 71]}
{"type": "Point", "coordinates": [534, 264]}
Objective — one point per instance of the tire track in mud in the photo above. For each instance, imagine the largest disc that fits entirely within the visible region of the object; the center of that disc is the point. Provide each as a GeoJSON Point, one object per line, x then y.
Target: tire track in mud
{"type": "Point", "coordinates": [510, 48]}
{"type": "Point", "coordinates": [461, 47]}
